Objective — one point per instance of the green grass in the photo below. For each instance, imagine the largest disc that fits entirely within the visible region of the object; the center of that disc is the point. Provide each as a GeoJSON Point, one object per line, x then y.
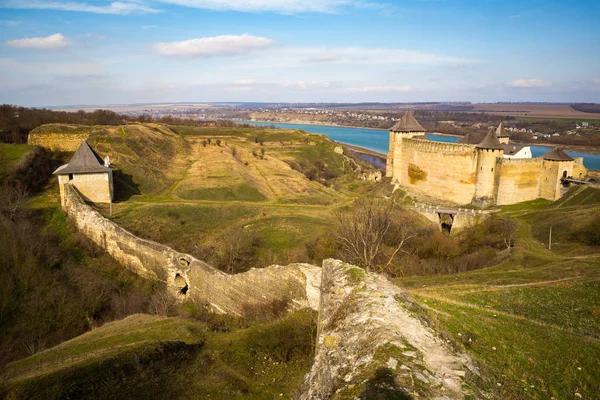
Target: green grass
{"type": "Point", "coordinates": [241, 192]}
{"type": "Point", "coordinates": [10, 155]}
{"type": "Point", "coordinates": [146, 356]}
{"type": "Point", "coordinates": [533, 320]}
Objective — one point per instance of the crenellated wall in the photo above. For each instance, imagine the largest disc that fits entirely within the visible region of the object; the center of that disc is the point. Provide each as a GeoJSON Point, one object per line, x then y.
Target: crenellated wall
{"type": "Point", "coordinates": [230, 294]}
{"type": "Point", "coordinates": [448, 169]}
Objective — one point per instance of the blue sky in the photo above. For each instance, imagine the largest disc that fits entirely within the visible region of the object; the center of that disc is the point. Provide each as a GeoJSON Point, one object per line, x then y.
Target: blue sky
{"type": "Point", "coordinates": [65, 52]}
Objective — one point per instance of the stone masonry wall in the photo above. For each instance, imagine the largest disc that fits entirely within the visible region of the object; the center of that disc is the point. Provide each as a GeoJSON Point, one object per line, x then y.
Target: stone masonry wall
{"type": "Point", "coordinates": [449, 169]}
{"type": "Point", "coordinates": [231, 294]}
{"type": "Point", "coordinates": [57, 141]}
{"type": "Point", "coordinates": [519, 180]}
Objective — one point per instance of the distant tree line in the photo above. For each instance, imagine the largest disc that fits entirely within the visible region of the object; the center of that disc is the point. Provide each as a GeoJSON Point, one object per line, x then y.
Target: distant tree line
{"type": "Point", "coordinates": [586, 107]}
{"type": "Point", "coordinates": [16, 122]}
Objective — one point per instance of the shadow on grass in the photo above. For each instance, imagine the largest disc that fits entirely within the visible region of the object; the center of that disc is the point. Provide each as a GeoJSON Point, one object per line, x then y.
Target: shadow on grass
{"type": "Point", "coordinates": [383, 387]}
{"type": "Point", "coordinates": [124, 185]}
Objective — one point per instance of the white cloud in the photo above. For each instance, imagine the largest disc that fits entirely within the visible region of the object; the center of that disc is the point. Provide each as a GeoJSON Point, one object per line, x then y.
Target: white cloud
{"type": "Point", "coordinates": [277, 6]}
{"type": "Point", "coordinates": [377, 89]}
{"type": "Point", "coordinates": [116, 7]}
{"type": "Point", "coordinates": [9, 23]}
{"type": "Point", "coordinates": [530, 83]}
{"type": "Point", "coordinates": [55, 41]}
{"type": "Point", "coordinates": [596, 80]}
{"type": "Point", "coordinates": [225, 45]}
{"type": "Point", "coordinates": [322, 59]}
{"type": "Point", "coordinates": [149, 27]}
{"type": "Point", "coordinates": [289, 57]}
{"type": "Point", "coordinates": [244, 82]}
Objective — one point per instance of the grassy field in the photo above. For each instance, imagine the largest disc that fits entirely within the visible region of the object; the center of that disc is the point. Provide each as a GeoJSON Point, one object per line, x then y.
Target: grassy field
{"type": "Point", "coordinates": [10, 155]}
{"type": "Point", "coordinates": [145, 356]}
{"type": "Point", "coordinates": [531, 323]}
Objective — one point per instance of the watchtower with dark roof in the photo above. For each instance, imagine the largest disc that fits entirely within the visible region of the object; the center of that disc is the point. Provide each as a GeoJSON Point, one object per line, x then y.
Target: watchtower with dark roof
{"type": "Point", "coordinates": [407, 127]}
{"type": "Point", "coordinates": [489, 150]}
{"type": "Point", "coordinates": [89, 173]}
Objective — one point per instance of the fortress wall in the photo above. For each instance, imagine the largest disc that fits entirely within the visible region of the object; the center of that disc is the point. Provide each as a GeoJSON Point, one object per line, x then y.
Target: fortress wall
{"type": "Point", "coordinates": [57, 141]}
{"type": "Point", "coordinates": [231, 294]}
{"type": "Point", "coordinates": [443, 170]}
{"type": "Point", "coordinates": [519, 180]}
{"type": "Point", "coordinates": [552, 171]}
{"type": "Point", "coordinates": [389, 165]}
{"type": "Point", "coordinates": [579, 170]}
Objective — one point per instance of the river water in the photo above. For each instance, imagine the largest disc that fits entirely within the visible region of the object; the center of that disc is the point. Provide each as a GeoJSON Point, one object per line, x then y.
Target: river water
{"type": "Point", "coordinates": [377, 139]}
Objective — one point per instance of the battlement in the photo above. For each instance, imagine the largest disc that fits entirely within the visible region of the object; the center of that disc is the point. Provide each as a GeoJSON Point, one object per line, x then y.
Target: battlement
{"type": "Point", "coordinates": [436, 147]}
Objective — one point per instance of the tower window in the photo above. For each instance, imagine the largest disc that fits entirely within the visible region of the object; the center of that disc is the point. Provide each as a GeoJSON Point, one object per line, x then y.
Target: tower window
{"type": "Point", "coordinates": [70, 177]}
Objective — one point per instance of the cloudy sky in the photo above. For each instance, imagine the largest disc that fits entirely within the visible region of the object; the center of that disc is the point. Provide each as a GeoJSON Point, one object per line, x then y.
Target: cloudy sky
{"type": "Point", "coordinates": [65, 52]}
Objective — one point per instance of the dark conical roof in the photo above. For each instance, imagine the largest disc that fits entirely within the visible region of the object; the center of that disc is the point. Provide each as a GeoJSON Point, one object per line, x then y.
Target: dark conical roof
{"type": "Point", "coordinates": [500, 131]}
{"type": "Point", "coordinates": [84, 161]}
{"type": "Point", "coordinates": [556, 154]}
{"type": "Point", "coordinates": [471, 138]}
{"type": "Point", "coordinates": [490, 141]}
{"type": "Point", "coordinates": [407, 123]}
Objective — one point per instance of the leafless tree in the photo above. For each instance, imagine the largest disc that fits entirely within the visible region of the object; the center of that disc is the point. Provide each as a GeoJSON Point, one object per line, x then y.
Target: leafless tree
{"type": "Point", "coordinates": [234, 243]}
{"type": "Point", "coordinates": [509, 230]}
{"type": "Point", "coordinates": [12, 201]}
{"type": "Point", "coordinates": [362, 231]}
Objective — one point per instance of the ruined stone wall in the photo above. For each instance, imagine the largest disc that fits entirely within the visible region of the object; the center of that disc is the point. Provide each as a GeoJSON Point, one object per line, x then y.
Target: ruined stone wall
{"type": "Point", "coordinates": [445, 171]}
{"type": "Point", "coordinates": [298, 283]}
{"type": "Point", "coordinates": [520, 180]}
{"type": "Point", "coordinates": [57, 141]}
{"type": "Point", "coordinates": [368, 336]}
{"type": "Point", "coordinates": [579, 170]}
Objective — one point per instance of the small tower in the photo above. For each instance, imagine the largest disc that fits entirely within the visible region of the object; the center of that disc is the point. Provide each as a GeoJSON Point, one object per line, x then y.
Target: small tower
{"type": "Point", "coordinates": [557, 165]}
{"type": "Point", "coordinates": [91, 175]}
{"type": "Point", "coordinates": [488, 152]}
{"type": "Point", "coordinates": [407, 127]}
{"type": "Point", "coordinates": [502, 135]}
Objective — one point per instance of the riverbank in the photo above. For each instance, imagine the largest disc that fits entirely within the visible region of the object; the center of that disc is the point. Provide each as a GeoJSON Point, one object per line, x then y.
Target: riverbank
{"type": "Point", "coordinates": [565, 147]}
{"type": "Point", "coordinates": [314, 123]}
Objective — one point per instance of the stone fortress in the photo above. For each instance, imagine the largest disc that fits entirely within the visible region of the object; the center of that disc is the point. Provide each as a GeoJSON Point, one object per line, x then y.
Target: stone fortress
{"type": "Point", "coordinates": [481, 171]}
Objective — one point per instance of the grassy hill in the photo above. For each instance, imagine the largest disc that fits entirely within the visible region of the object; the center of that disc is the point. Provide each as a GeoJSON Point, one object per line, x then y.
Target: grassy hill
{"type": "Point", "coordinates": [146, 356]}
{"type": "Point", "coordinates": [531, 323]}
{"type": "Point", "coordinates": [276, 185]}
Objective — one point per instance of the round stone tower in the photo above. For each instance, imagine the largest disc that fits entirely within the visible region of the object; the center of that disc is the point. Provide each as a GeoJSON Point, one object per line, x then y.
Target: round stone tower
{"type": "Point", "coordinates": [407, 127]}
{"type": "Point", "coordinates": [486, 186]}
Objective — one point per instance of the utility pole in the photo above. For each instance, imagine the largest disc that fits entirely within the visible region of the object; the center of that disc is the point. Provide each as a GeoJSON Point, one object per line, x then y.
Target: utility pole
{"type": "Point", "coordinates": [550, 240]}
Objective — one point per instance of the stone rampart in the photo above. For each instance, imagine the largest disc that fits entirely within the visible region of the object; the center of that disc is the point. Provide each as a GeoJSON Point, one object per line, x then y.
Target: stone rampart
{"type": "Point", "coordinates": [189, 277]}
{"type": "Point", "coordinates": [57, 141]}
{"type": "Point", "coordinates": [442, 170]}
{"type": "Point", "coordinates": [367, 336]}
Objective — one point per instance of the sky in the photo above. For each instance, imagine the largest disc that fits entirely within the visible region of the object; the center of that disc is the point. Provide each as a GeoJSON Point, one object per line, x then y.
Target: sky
{"type": "Point", "coordinates": [95, 52]}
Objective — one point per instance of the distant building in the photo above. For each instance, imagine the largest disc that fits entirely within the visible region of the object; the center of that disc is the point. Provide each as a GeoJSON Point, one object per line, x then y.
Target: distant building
{"type": "Point", "coordinates": [476, 170]}
{"type": "Point", "coordinates": [585, 125]}
{"type": "Point", "coordinates": [91, 175]}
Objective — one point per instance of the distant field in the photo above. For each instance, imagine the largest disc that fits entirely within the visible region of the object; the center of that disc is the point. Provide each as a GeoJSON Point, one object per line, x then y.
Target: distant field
{"type": "Point", "coordinates": [519, 110]}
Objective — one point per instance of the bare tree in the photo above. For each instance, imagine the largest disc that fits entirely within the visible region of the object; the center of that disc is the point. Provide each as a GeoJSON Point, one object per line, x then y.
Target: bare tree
{"type": "Point", "coordinates": [361, 232]}
{"type": "Point", "coordinates": [234, 243]}
{"type": "Point", "coordinates": [12, 201]}
{"type": "Point", "coordinates": [509, 230]}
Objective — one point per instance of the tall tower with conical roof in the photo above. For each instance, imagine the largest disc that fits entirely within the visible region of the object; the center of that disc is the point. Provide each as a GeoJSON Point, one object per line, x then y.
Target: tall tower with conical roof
{"type": "Point", "coordinates": [407, 127]}
{"type": "Point", "coordinates": [502, 135]}
{"type": "Point", "coordinates": [488, 151]}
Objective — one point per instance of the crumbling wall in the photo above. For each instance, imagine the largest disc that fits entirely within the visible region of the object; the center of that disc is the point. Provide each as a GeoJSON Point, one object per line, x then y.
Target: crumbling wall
{"type": "Point", "coordinates": [57, 141]}
{"type": "Point", "coordinates": [368, 337]}
{"type": "Point", "coordinates": [190, 277]}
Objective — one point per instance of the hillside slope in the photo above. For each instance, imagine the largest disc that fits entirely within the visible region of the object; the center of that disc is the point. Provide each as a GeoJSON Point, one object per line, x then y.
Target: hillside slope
{"type": "Point", "coordinates": [146, 356]}
{"type": "Point", "coordinates": [532, 322]}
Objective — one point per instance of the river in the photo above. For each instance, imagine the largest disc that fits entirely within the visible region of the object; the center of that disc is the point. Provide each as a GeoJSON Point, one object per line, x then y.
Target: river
{"type": "Point", "coordinates": [377, 139]}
